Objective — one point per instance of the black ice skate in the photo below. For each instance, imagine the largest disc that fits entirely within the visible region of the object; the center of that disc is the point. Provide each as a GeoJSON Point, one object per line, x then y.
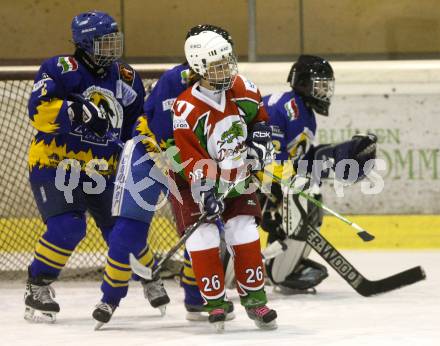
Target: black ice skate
{"type": "Point", "coordinates": [103, 313]}
{"type": "Point", "coordinates": [197, 312]}
{"type": "Point", "coordinates": [156, 294]}
{"type": "Point", "coordinates": [263, 317]}
{"type": "Point", "coordinates": [38, 298]}
{"type": "Point", "coordinates": [217, 318]}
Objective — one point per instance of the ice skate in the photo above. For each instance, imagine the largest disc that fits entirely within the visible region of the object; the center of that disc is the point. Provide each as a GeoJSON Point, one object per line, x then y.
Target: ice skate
{"type": "Point", "coordinates": [217, 319]}
{"type": "Point", "coordinates": [103, 313]}
{"type": "Point", "coordinates": [263, 317]}
{"type": "Point", "coordinates": [38, 298]}
{"type": "Point", "coordinates": [197, 313]}
{"type": "Point", "coordinates": [156, 294]}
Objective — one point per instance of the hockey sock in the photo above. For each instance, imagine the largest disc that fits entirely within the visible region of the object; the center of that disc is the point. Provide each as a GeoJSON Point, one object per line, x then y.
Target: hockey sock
{"type": "Point", "coordinates": [249, 274]}
{"type": "Point", "coordinates": [210, 277]}
{"type": "Point", "coordinates": [54, 248]}
{"type": "Point", "coordinates": [128, 236]}
{"type": "Point", "coordinates": [189, 283]}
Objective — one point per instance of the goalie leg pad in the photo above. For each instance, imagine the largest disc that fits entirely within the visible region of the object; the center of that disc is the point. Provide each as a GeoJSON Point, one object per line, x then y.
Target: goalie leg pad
{"type": "Point", "coordinates": [307, 276]}
{"type": "Point", "coordinates": [284, 264]}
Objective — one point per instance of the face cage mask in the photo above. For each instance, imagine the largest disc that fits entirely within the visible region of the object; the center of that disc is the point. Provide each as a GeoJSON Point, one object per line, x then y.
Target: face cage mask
{"type": "Point", "coordinates": [323, 88]}
{"type": "Point", "coordinates": [221, 74]}
{"type": "Point", "coordinates": [108, 48]}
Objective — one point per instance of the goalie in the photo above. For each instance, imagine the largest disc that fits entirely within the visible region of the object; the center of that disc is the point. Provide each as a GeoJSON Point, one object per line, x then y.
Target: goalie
{"type": "Point", "coordinates": [286, 216]}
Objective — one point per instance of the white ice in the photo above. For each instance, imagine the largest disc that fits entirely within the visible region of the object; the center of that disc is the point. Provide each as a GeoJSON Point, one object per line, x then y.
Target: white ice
{"type": "Point", "coordinates": [336, 315]}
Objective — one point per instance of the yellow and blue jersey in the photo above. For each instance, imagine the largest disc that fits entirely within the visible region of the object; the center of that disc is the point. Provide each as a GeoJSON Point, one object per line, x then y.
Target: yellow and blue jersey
{"type": "Point", "coordinates": [119, 92]}
{"type": "Point", "coordinates": [157, 107]}
{"type": "Point", "coordinates": [293, 132]}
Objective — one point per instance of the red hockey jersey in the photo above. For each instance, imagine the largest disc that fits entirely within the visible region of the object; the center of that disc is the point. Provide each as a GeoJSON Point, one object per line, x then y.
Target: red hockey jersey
{"type": "Point", "coordinates": [211, 136]}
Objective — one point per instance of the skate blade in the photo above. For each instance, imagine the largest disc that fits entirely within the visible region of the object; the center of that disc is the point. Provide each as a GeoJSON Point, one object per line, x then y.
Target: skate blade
{"type": "Point", "coordinates": [196, 316]}
{"type": "Point", "coordinates": [266, 326]}
{"type": "Point", "coordinates": [203, 316]}
{"type": "Point", "coordinates": [219, 326]}
{"type": "Point", "coordinates": [163, 310]}
{"type": "Point", "coordinates": [38, 316]}
{"type": "Point", "coordinates": [98, 325]}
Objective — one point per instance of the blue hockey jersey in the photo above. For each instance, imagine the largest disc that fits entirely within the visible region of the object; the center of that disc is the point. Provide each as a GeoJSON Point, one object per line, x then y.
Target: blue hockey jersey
{"type": "Point", "coordinates": [157, 107]}
{"type": "Point", "coordinates": [293, 126]}
{"type": "Point", "coordinates": [120, 93]}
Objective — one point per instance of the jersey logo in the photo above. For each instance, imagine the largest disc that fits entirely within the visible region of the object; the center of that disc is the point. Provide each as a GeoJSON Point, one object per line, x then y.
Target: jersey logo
{"type": "Point", "coordinates": [231, 143]}
{"type": "Point", "coordinates": [126, 73]}
{"type": "Point", "coordinates": [292, 109]}
{"type": "Point", "coordinates": [184, 76]}
{"type": "Point", "coordinates": [181, 111]}
{"type": "Point", "coordinates": [233, 132]}
{"type": "Point", "coordinates": [67, 63]}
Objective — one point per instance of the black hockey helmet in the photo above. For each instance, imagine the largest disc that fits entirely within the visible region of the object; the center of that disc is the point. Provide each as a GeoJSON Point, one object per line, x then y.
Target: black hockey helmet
{"type": "Point", "coordinates": [195, 30]}
{"type": "Point", "coordinates": [312, 78]}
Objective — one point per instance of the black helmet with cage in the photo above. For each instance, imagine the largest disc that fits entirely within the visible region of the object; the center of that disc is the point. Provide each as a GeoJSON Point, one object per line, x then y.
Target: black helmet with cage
{"type": "Point", "coordinates": [312, 78]}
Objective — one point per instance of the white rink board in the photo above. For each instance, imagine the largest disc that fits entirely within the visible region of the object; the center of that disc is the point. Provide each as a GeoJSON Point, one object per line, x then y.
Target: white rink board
{"type": "Point", "coordinates": [336, 316]}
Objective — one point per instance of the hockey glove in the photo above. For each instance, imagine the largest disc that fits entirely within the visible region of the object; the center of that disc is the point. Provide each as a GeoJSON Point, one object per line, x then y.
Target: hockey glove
{"type": "Point", "coordinates": [84, 111]}
{"type": "Point", "coordinates": [210, 204]}
{"type": "Point", "coordinates": [361, 148]}
{"type": "Point", "coordinates": [260, 147]}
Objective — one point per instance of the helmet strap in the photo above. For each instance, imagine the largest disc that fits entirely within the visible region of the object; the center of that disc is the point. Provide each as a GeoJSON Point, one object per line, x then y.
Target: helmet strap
{"type": "Point", "coordinates": [87, 60]}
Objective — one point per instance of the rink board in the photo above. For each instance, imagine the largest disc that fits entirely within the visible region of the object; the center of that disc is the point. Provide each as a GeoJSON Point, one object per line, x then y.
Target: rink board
{"type": "Point", "coordinates": [391, 232]}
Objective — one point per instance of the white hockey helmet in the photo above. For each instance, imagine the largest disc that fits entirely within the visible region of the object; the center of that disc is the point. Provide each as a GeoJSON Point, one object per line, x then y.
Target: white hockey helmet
{"type": "Point", "coordinates": [212, 58]}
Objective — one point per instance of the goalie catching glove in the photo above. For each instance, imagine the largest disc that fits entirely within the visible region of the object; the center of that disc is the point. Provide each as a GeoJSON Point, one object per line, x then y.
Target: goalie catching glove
{"type": "Point", "coordinates": [260, 147]}
{"type": "Point", "coordinates": [84, 111]}
{"type": "Point", "coordinates": [361, 148]}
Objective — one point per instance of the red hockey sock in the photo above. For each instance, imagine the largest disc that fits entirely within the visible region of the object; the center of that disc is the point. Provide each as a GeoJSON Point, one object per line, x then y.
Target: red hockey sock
{"type": "Point", "coordinates": [248, 265]}
{"type": "Point", "coordinates": [209, 275]}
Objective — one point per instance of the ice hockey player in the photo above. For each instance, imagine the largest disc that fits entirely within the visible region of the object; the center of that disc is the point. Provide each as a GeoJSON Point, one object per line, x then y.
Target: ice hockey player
{"type": "Point", "coordinates": [217, 123]}
{"type": "Point", "coordinates": [157, 126]}
{"type": "Point", "coordinates": [79, 103]}
{"type": "Point", "coordinates": [293, 123]}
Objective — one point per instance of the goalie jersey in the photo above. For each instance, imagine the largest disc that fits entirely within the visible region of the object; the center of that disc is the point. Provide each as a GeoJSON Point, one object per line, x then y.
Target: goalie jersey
{"type": "Point", "coordinates": [119, 93]}
{"type": "Point", "coordinates": [293, 126]}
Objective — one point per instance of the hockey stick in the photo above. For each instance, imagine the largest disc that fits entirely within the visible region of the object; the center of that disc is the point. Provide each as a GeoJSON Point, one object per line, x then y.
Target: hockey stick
{"type": "Point", "coordinates": [362, 233]}
{"type": "Point", "coordinates": [146, 272]}
{"type": "Point", "coordinates": [352, 276]}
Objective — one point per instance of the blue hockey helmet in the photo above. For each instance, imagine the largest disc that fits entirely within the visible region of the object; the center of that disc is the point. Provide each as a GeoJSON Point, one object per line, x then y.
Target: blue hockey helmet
{"type": "Point", "coordinates": [97, 33]}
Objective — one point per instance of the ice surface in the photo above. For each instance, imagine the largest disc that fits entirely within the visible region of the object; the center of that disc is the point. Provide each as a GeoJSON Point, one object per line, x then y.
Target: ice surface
{"type": "Point", "coordinates": [337, 315]}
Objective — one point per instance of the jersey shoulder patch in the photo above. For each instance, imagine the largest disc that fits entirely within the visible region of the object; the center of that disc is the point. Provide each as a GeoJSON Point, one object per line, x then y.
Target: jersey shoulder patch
{"type": "Point", "coordinates": [67, 64]}
{"type": "Point", "coordinates": [244, 89]}
{"type": "Point", "coordinates": [182, 108]}
{"type": "Point", "coordinates": [126, 72]}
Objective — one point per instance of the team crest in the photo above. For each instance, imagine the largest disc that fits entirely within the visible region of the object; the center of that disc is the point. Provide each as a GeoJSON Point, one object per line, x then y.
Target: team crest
{"type": "Point", "coordinates": [126, 73]}
{"type": "Point", "coordinates": [292, 109]}
{"type": "Point", "coordinates": [67, 63]}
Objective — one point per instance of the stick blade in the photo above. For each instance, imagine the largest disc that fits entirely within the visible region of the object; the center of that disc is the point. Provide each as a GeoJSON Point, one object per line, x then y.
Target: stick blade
{"type": "Point", "coordinates": [365, 236]}
{"type": "Point", "coordinates": [139, 269]}
{"type": "Point", "coordinates": [369, 288]}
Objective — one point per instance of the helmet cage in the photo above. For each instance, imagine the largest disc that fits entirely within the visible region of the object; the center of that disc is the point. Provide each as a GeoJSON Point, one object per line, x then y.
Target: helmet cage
{"type": "Point", "coordinates": [108, 48]}
{"type": "Point", "coordinates": [322, 88]}
{"type": "Point", "coordinates": [221, 74]}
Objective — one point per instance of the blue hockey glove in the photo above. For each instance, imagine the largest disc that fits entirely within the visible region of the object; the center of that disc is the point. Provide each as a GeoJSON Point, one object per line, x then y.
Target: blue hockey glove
{"type": "Point", "coordinates": [84, 111]}
{"type": "Point", "coordinates": [361, 148]}
{"type": "Point", "coordinates": [210, 204]}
